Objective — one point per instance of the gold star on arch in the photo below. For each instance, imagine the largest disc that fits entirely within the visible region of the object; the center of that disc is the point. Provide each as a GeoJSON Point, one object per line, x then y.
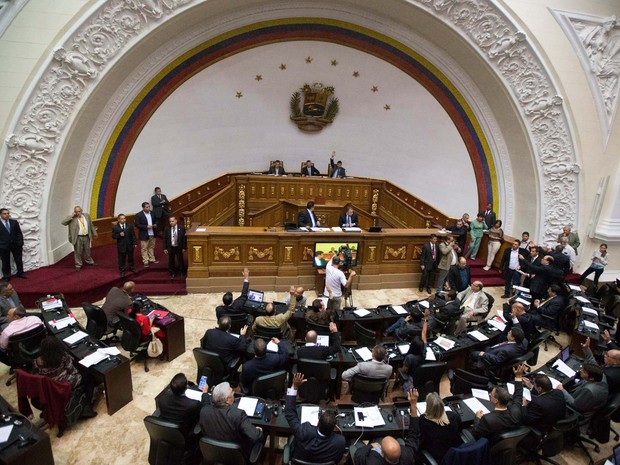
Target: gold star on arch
{"type": "Point", "coordinates": [356, 74]}
{"type": "Point", "coordinates": [239, 94]}
{"type": "Point", "coordinates": [282, 66]}
{"type": "Point", "coordinates": [375, 88]}
{"type": "Point", "coordinates": [334, 62]}
{"type": "Point", "coordinates": [259, 77]}
{"type": "Point", "coordinates": [309, 60]}
{"type": "Point", "coordinates": [387, 107]}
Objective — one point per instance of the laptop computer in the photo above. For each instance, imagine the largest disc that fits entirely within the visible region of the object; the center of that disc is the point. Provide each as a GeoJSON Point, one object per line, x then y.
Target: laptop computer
{"type": "Point", "coordinates": [565, 356]}
{"type": "Point", "coordinates": [255, 300]}
{"type": "Point", "coordinates": [375, 229]}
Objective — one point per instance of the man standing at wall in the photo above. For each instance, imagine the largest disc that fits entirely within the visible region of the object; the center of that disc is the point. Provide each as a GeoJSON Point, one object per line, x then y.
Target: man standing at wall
{"type": "Point", "coordinates": [11, 242]}
{"type": "Point", "coordinates": [147, 225]}
{"type": "Point", "coordinates": [125, 238]}
{"type": "Point", "coordinates": [81, 233]}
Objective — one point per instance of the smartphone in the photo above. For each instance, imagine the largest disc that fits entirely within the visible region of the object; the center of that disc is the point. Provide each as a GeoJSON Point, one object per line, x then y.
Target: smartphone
{"type": "Point", "coordinates": [259, 409]}
{"type": "Point", "coordinates": [202, 383]}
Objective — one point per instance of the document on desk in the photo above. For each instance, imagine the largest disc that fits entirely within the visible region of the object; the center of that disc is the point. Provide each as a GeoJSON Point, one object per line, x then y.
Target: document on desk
{"type": "Point", "coordinates": [497, 324]}
{"type": "Point", "coordinates": [194, 395]}
{"type": "Point", "coordinates": [475, 405]}
{"type": "Point", "coordinates": [521, 288]}
{"type": "Point", "coordinates": [364, 353]}
{"type": "Point", "coordinates": [51, 304]}
{"type": "Point", "coordinates": [564, 368]}
{"type": "Point", "coordinates": [572, 287]}
{"type": "Point", "coordinates": [93, 359]}
{"type": "Point", "coordinates": [399, 309]}
{"type": "Point", "coordinates": [478, 335]}
{"type": "Point", "coordinates": [321, 229]}
{"type": "Point", "coordinates": [589, 311]}
{"type": "Point", "coordinates": [527, 395]}
{"type": "Point", "coordinates": [590, 325]}
{"type": "Point", "coordinates": [310, 414]}
{"type": "Point", "coordinates": [480, 394]}
{"type": "Point", "coordinates": [522, 301]}
{"type": "Point", "coordinates": [63, 322]}
{"type": "Point", "coordinates": [582, 299]}
{"type": "Point", "coordinates": [352, 229]}
{"type": "Point", "coordinates": [368, 417]}
{"type": "Point", "coordinates": [248, 405]}
{"type": "Point", "coordinates": [201, 229]}
{"type": "Point", "coordinates": [430, 355]}
{"type": "Point", "coordinates": [75, 337]}
{"type": "Point", "coordinates": [424, 303]}
{"type": "Point", "coordinates": [445, 344]}
{"type": "Point", "coordinates": [5, 432]}
{"type": "Point", "coordinates": [403, 348]}
{"type": "Point", "coordinates": [361, 312]}
{"type": "Point", "coordinates": [109, 351]}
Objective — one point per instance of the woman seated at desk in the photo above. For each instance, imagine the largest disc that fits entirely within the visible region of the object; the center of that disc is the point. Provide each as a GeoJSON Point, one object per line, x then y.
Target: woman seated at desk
{"type": "Point", "coordinates": [145, 322]}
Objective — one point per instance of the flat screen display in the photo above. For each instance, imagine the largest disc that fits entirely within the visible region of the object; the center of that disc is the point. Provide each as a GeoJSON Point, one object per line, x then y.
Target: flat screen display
{"type": "Point", "coordinates": [324, 251]}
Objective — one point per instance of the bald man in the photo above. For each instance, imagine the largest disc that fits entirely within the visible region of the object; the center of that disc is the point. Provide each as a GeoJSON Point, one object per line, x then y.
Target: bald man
{"type": "Point", "coordinates": [474, 303]}
{"type": "Point", "coordinates": [300, 298]}
{"type": "Point", "coordinates": [388, 452]}
{"type": "Point", "coordinates": [19, 322]}
{"type": "Point", "coordinates": [611, 365]}
{"type": "Point", "coordinates": [118, 300]}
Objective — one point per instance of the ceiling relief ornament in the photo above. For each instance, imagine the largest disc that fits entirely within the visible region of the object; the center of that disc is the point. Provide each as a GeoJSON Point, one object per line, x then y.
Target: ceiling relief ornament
{"type": "Point", "coordinates": [319, 107]}
{"type": "Point", "coordinates": [596, 40]}
{"type": "Point", "coordinates": [75, 67]}
{"type": "Point", "coordinates": [508, 51]}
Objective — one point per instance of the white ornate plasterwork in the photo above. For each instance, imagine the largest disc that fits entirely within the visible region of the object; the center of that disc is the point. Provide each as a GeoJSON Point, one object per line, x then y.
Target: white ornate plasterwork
{"type": "Point", "coordinates": [73, 70]}
{"type": "Point", "coordinates": [596, 40]}
{"type": "Point", "coordinates": [494, 35]}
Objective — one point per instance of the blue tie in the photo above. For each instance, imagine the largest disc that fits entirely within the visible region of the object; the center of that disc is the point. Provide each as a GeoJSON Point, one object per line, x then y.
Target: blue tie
{"type": "Point", "coordinates": [7, 225]}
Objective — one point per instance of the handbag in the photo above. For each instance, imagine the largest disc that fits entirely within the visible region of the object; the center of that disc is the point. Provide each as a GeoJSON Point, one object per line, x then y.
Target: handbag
{"type": "Point", "coordinates": [155, 348]}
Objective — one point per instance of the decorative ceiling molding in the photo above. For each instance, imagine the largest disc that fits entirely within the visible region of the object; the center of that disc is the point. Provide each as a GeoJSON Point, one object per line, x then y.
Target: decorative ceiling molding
{"type": "Point", "coordinates": [596, 40]}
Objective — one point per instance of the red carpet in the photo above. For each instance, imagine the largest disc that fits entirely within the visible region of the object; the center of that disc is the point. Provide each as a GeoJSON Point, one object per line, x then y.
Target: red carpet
{"type": "Point", "coordinates": [494, 278]}
{"type": "Point", "coordinates": [92, 283]}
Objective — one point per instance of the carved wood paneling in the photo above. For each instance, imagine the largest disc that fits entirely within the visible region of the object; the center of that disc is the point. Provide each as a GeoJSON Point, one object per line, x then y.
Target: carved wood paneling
{"type": "Point", "coordinates": [228, 254]}
{"type": "Point", "coordinates": [395, 252]}
{"type": "Point", "coordinates": [260, 254]}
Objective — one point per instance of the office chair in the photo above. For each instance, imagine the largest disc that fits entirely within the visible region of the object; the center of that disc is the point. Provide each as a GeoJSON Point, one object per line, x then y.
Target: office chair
{"type": "Point", "coordinates": [267, 333]}
{"type": "Point", "coordinates": [238, 321]}
{"type": "Point", "coordinates": [462, 382]}
{"type": "Point", "coordinates": [600, 423]}
{"type": "Point", "coordinates": [97, 322]}
{"type": "Point", "coordinates": [426, 378]}
{"type": "Point", "coordinates": [504, 450]}
{"type": "Point", "coordinates": [319, 329]}
{"type": "Point", "coordinates": [319, 380]}
{"type": "Point", "coordinates": [288, 460]}
{"type": "Point", "coordinates": [167, 444]}
{"type": "Point", "coordinates": [271, 386]}
{"type": "Point", "coordinates": [216, 452]}
{"type": "Point", "coordinates": [23, 348]}
{"type": "Point", "coordinates": [534, 346]}
{"type": "Point", "coordinates": [551, 443]}
{"type": "Point", "coordinates": [468, 453]}
{"type": "Point", "coordinates": [211, 365]}
{"type": "Point", "coordinates": [503, 374]}
{"type": "Point", "coordinates": [131, 339]}
{"type": "Point", "coordinates": [364, 336]}
{"type": "Point", "coordinates": [367, 390]}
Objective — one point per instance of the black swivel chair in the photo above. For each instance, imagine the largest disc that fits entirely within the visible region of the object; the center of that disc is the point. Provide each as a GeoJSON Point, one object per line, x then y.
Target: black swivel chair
{"type": "Point", "coordinates": [97, 322]}
{"type": "Point", "coordinates": [504, 373]}
{"type": "Point", "coordinates": [319, 329]}
{"type": "Point", "coordinates": [288, 460]}
{"type": "Point", "coordinates": [319, 380]}
{"type": "Point", "coordinates": [238, 321]}
{"type": "Point", "coordinates": [267, 333]}
{"type": "Point", "coordinates": [426, 377]}
{"type": "Point", "coordinates": [462, 382]}
{"type": "Point", "coordinates": [211, 365]}
{"type": "Point", "coordinates": [23, 348]}
{"type": "Point", "coordinates": [167, 442]}
{"type": "Point", "coordinates": [216, 452]}
{"type": "Point", "coordinates": [131, 339]}
{"type": "Point", "coordinates": [364, 336]}
{"type": "Point", "coordinates": [504, 450]}
{"type": "Point", "coordinates": [534, 346]}
{"type": "Point", "coordinates": [552, 442]}
{"type": "Point", "coordinates": [364, 389]}
{"type": "Point", "coordinates": [271, 386]}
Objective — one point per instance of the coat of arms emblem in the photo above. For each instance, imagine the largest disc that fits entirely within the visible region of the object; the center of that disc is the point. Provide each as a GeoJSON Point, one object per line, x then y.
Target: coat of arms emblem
{"type": "Point", "coordinates": [319, 107]}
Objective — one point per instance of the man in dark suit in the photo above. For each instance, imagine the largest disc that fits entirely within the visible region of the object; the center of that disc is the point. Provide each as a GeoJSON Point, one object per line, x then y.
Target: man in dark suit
{"type": "Point", "coordinates": [493, 357]}
{"type": "Point", "coordinates": [125, 242]}
{"type": "Point", "coordinates": [234, 307]}
{"type": "Point", "coordinates": [611, 362]}
{"type": "Point", "coordinates": [118, 300]}
{"type": "Point", "coordinates": [226, 345]}
{"type": "Point", "coordinates": [175, 244]}
{"type": "Point", "coordinates": [459, 229]}
{"type": "Point", "coordinates": [550, 307]}
{"type": "Point", "coordinates": [560, 261]}
{"type": "Point", "coordinates": [147, 226]}
{"type": "Point", "coordinates": [547, 406]}
{"type": "Point", "coordinates": [428, 263]}
{"type": "Point", "coordinates": [534, 259]}
{"type": "Point", "coordinates": [541, 277]}
{"type": "Point", "coordinates": [8, 298]}
{"type": "Point", "coordinates": [263, 363]}
{"type": "Point", "coordinates": [277, 168]}
{"type": "Point", "coordinates": [176, 408]}
{"type": "Point", "coordinates": [450, 310]}
{"type": "Point", "coordinates": [314, 444]}
{"type": "Point", "coordinates": [11, 243]}
{"type": "Point", "coordinates": [516, 315]}
{"type": "Point", "coordinates": [509, 266]}
{"type": "Point", "coordinates": [313, 352]}
{"type": "Point", "coordinates": [388, 451]}
{"type": "Point", "coordinates": [306, 218]}
{"type": "Point", "coordinates": [338, 170]}
{"type": "Point", "coordinates": [222, 421]}
{"type": "Point", "coordinates": [349, 218]}
{"type": "Point", "coordinates": [310, 170]}
{"type": "Point", "coordinates": [459, 276]}
{"type": "Point", "coordinates": [489, 216]}
{"type": "Point", "coordinates": [161, 209]}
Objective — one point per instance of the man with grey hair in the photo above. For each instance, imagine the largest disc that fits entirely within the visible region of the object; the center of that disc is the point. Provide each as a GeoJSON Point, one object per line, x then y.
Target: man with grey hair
{"type": "Point", "coordinates": [572, 237]}
{"type": "Point", "coordinates": [223, 422]}
{"type": "Point", "coordinates": [81, 233]}
{"type": "Point", "coordinates": [19, 322]}
{"type": "Point", "coordinates": [8, 298]}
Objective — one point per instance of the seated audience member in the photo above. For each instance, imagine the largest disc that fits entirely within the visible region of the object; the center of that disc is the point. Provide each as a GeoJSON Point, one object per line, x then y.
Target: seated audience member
{"type": "Point", "coordinates": [437, 430]}
{"type": "Point", "coordinates": [459, 276]}
{"type": "Point", "coordinates": [349, 218]}
{"type": "Point", "coordinates": [220, 341]}
{"type": "Point", "coordinates": [263, 363]}
{"type": "Point", "coordinates": [55, 362]}
{"type": "Point", "coordinates": [145, 322]}
{"type": "Point", "coordinates": [540, 276]}
{"type": "Point", "coordinates": [277, 169]}
{"type": "Point", "coordinates": [177, 408]}
{"type": "Point", "coordinates": [118, 301]}
{"type": "Point", "coordinates": [547, 406]}
{"type": "Point", "coordinates": [518, 317]}
{"type": "Point", "coordinates": [406, 327]}
{"type": "Point", "coordinates": [551, 307]}
{"type": "Point", "coordinates": [300, 298]}
{"type": "Point", "coordinates": [19, 322]}
{"type": "Point", "coordinates": [271, 319]}
{"type": "Point", "coordinates": [589, 395]}
{"type": "Point", "coordinates": [374, 368]}
{"type": "Point", "coordinates": [310, 170]}
{"type": "Point", "coordinates": [474, 303]}
{"type": "Point", "coordinates": [221, 421]}
{"type": "Point", "coordinates": [506, 414]}
{"type": "Point", "coordinates": [495, 356]}
{"type": "Point", "coordinates": [8, 298]}
{"type": "Point", "coordinates": [313, 352]}
{"type": "Point", "coordinates": [234, 307]}
{"type": "Point", "coordinates": [338, 170]}
{"type": "Point", "coordinates": [313, 444]}
{"type": "Point", "coordinates": [450, 310]}
{"type": "Point", "coordinates": [306, 218]}
{"type": "Point", "coordinates": [416, 355]}
{"type": "Point", "coordinates": [611, 364]}
{"type": "Point", "coordinates": [318, 314]}
{"type": "Point", "coordinates": [387, 452]}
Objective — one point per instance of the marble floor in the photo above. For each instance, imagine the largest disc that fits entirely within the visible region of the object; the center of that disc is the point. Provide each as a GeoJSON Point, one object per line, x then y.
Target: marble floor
{"type": "Point", "coordinates": [122, 439]}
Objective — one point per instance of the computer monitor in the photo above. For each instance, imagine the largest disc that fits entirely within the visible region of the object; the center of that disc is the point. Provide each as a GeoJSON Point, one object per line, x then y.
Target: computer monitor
{"type": "Point", "coordinates": [324, 251]}
{"type": "Point", "coordinates": [256, 296]}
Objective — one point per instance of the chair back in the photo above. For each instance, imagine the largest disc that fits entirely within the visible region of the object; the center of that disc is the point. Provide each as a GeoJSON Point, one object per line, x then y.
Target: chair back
{"type": "Point", "coordinates": [364, 389]}
{"type": "Point", "coordinates": [268, 333]}
{"type": "Point", "coordinates": [216, 452]}
{"type": "Point", "coordinates": [237, 322]}
{"type": "Point", "coordinates": [534, 346]}
{"type": "Point", "coordinates": [468, 453]}
{"type": "Point", "coordinates": [303, 462]}
{"type": "Point", "coordinates": [132, 334]}
{"type": "Point", "coordinates": [504, 373]}
{"type": "Point", "coordinates": [491, 300]}
{"type": "Point", "coordinates": [53, 396]}
{"type": "Point", "coordinates": [504, 451]}
{"type": "Point", "coordinates": [96, 321]}
{"type": "Point", "coordinates": [601, 421]}
{"type": "Point", "coordinates": [364, 336]}
{"type": "Point", "coordinates": [462, 382]}
{"type": "Point", "coordinates": [426, 378]}
{"type": "Point", "coordinates": [318, 380]}
{"type": "Point", "coordinates": [209, 364]}
{"type": "Point", "coordinates": [167, 441]}
{"type": "Point", "coordinates": [271, 386]}
{"type": "Point", "coordinates": [563, 432]}
{"type": "Point", "coordinates": [319, 329]}
{"type": "Point", "coordinates": [24, 347]}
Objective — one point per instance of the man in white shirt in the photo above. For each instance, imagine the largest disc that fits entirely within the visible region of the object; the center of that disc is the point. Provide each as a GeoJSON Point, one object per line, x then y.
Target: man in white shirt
{"type": "Point", "coordinates": [19, 322]}
{"type": "Point", "coordinates": [146, 224]}
{"type": "Point", "coordinates": [569, 251]}
{"type": "Point", "coordinates": [335, 280]}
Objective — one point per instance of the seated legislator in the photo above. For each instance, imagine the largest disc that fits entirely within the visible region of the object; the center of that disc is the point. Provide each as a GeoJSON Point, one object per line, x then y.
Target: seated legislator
{"type": "Point", "coordinates": [547, 406]}
{"type": "Point", "coordinates": [406, 327]}
{"type": "Point", "coordinates": [271, 319]}
{"type": "Point", "coordinates": [386, 452]}
{"type": "Point", "coordinates": [494, 356]}
{"type": "Point", "coordinates": [551, 307]}
{"type": "Point", "coordinates": [474, 303]}
{"type": "Point", "coordinates": [375, 368]}
{"type": "Point", "coordinates": [611, 363]}
{"type": "Point", "coordinates": [145, 322]}
{"type": "Point", "coordinates": [309, 170]}
{"type": "Point", "coordinates": [416, 355]}
{"type": "Point", "coordinates": [19, 322]}
{"type": "Point", "coordinates": [506, 414]}
{"type": "Point", "coordinates": [313, 352]}
{"type": "Point", "coordinates": [318, 314]}
{"type": "Point", "coordinates": [450, 310]}
{"type": "Point", "coordinates": [437, 430]}
{"type": "Point", "coordinates": [263, 363]}
{"type": "Point", "coordinates": [118, 301]}
{"type": "Point", "coordinates": [234, 307]}
{"type": "Point", "coordinates": [349, 218]}
{"type": "Point", "coordinates": [8, 298]}
{"type": "Point", "coordinates": [300, 298]}
{"type": "Point", "coordinates": [222, 421]}
{"type": "Point", "coordinates": [338, 170]}
{"type": "Point", "coordinates": [519, 317]}
{"type": "Point", "coordinates": [226, 345]}
{"type": "Point", "coordinates": [177, 408]}
{"type": "Point", "coordinates": [277, 169]}
{"type": "Point", "coordinates": [306, 218]}
{"type": "Point", "coordinates": [313, 444]}
{"type": "Point", "coordinates": [459, 276]}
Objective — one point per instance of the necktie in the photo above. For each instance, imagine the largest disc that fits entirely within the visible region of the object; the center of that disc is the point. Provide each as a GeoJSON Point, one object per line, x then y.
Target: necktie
{"type": "Point", "coordinates": [348, 220]}
{"type": "Point", "coordinates": [174, 237]}
{"type": "Point", "coordinates": [433, 250]}
{"type": "Point", "coordinates": [82, 226]}
{"type": "Point", "coordinates": [7, 225]}
{"type": "Point", "coordinates": [122, 227]}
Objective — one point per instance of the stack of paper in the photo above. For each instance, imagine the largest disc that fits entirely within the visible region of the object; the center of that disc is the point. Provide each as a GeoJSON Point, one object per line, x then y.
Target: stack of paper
{"type": "Point", "coordinates": [564, 368]}
{"type": "Point", "coordinates": [475, 405]}
{"type": "Point", "coordinates": [522, 301]}
{"type": "Point", "coordinates": [364, 353]}
{"type": "Point", "coordinates": [554, 382]}
{"type": "Point", "coordinates": [272, 346]}
{"type": "Point", "coordinates": [527, 395]}
{"type": "Point", "coordinates": [352, 229]}
{"type": "Point", "coordinates": [590, 325]}
{"type": "Point", "coordinates": [310, 414]}
{"type": "Point", "coordinates": [445, 344]}
{"type": "Point", "coordinates": [361, 312]}
{"type": "Point", "coordinates": [320, 229]}
{"type": "Point", "coordinates": [421, 408]}
{"type": "Point", "coordinates": [75, 337]}
{"type": "Point", "coordinates": [478, 335]}
{"type": "Point", "coordinates": [424, 303]}
{"type": "Point", "coordinates": [583, 300]}
{"type": "Point", "coordinates": [497, 324]}
{"type": "Point", "coordinates": [399, 309]}
{"type": "Point", "coordinates": [93, 359]}
{"type": "Point", "coordinates": [193, 394]}
{"type": "Point", "coordinates": [248, 405]}
{"type": "Point", "coordinates": [368, 417]}
{"type": "Point", "coordinates": [430, 355]}
{"type": "Point", "coordinates": [51, 304]}
{"type": "Point", "coordinates": [63, 322]}
{"type": "Point", "coordinates": [403, 348]}
{"type": "Point", "coordinates": [574, 288]}
{"type": "Point", "coordinates": [589, 311]}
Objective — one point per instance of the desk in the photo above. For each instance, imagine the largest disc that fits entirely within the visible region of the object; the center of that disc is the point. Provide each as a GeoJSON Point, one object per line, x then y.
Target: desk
{"type": "Point", "coordinates": [175, 331]}
{"type": "Point", "coordinates": [114, 373]}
